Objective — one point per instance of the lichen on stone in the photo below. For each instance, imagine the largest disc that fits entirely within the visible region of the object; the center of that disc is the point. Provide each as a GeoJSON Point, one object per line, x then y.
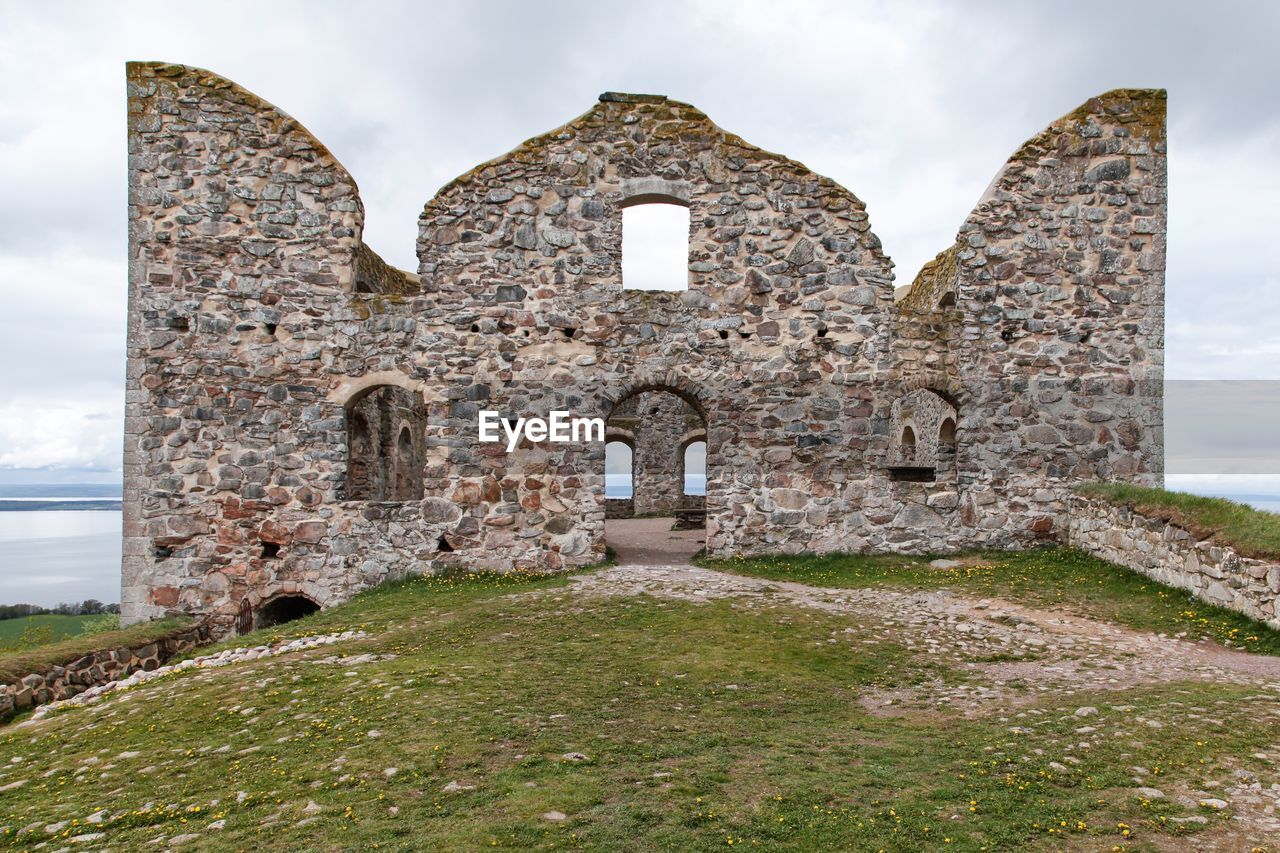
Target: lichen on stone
{"type": "Point", "coordinates": [374, 275]}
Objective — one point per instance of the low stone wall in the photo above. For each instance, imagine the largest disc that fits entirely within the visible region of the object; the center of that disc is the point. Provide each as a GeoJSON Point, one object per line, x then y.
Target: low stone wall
{"type": "Point", "coordinates": [96, 668]}
{"type": "Point", "coordinates": [1173, 556]}
{"type": "Point", "coordinates": [619, 508]}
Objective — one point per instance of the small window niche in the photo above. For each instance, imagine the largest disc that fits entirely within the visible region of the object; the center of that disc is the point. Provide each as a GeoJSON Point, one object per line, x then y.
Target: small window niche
{"type": "Point", "coordinates": [908, 444]}
{"type": "Point", "coordinates": [922, 446]}
{"type": "Point", "coordinates": [947, 433]}
{"type": "Point", "coordinates": [655, 246]}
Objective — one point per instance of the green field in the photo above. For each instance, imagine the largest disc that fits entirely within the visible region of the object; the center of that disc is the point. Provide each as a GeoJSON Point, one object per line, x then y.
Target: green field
{"type": "Point", "coordinates": [59, 628]}
{"type": "Point", "coordinates": [518, 713]}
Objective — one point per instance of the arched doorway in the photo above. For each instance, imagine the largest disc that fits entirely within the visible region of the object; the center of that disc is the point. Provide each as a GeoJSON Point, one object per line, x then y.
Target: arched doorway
{"type": "Point", "coordinates": [665, 431]}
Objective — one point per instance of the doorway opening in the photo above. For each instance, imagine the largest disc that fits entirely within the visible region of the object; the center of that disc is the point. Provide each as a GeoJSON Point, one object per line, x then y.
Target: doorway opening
{"type": "Point", "coordinates": [285, 608]}
{"type": "Point", "coordinates": [656, 477]}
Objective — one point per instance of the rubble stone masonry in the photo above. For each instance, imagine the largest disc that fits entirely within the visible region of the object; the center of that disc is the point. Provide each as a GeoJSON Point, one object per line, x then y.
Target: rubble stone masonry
{"type": "Point", "coordinates": [302, 417]}
{"type": "Point", "coordinates": [1173, 556]}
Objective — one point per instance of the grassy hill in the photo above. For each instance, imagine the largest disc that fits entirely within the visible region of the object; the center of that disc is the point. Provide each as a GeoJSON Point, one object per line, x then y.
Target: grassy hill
{"type": "Point", "coordinates": [519, 713]}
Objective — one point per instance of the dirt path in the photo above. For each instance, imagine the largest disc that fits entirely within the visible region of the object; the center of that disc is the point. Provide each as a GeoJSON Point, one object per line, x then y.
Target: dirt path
{"type": "Point", "coordinates": [999, 640]}
{"type": "Point", "coordinates": [1008, 655]}
{"type": "Point", "coordinates": [651, 541]}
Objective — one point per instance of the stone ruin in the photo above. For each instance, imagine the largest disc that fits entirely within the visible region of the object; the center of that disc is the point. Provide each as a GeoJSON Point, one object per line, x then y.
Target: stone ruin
{"type": "Point", "coordinates": [301, 417]}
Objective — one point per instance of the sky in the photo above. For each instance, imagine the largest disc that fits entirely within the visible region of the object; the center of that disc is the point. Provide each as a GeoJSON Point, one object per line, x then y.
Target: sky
{"type": "Point", "coordinates": [912, 106]}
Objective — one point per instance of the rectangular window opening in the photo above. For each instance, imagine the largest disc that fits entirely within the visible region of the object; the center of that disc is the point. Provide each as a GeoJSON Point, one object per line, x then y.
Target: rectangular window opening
{"type": "Point", "coordinates": [655, 247]}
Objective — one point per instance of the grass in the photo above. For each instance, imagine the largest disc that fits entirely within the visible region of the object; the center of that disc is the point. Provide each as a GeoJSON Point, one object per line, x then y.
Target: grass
{"type": "Point", "coordinates": [1051, 579]}
{"type": "Point", "coordinates": [702, 726]}
{"type": "Point", "coordinates": [55, 626]}
{"type": "Point", "coordinates": [1251, 532]}
{"type": "Point", "coordinates": [15, 664]}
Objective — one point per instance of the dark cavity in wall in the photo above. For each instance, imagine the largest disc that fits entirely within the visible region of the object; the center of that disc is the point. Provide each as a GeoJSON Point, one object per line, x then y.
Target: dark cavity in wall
{"type": "Point", "coordinates": [286, 608]}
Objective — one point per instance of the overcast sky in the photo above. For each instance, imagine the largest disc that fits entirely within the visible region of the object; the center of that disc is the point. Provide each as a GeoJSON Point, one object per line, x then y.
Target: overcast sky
{"type": "Point", "coordinates": [913, 107]}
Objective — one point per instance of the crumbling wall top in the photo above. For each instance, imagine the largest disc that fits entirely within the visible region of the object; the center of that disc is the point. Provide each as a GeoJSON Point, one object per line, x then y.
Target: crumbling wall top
{"type": "Point", "coordinates": [220, 162]}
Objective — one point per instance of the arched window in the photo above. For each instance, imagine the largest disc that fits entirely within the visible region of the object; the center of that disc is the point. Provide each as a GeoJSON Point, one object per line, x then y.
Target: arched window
{"type": "Point", "coordinates": [655, 246]}
{"type": "Point", "coordinates": [908, 442]}
{"type": "Point", "coordinates": [947, 432]}
{"type": "Point", "coordinates": [695, 468]}
{"type": "Point", "coordinates": [618, 470]}
{"type": "Point", "coordinates": [385, 426]}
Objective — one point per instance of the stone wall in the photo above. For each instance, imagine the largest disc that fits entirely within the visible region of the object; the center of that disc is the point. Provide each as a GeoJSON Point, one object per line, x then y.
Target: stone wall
{"type": "Point", "coordinates": [1175, 557]}
{"type": "Point", "coordinates": [95, 669]}
{"type": "Point", "coordinates": [1045, 318]}
{"type": "Point", "coordinates": [259, 320]}
{"type": "Point", "coordinates": [619, 508]}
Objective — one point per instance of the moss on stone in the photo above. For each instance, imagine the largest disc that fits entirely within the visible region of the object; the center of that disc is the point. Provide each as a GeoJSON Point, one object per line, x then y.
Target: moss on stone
{"type": "Point", "coordinates": [933, 281]}
{"type": "Point", "coordinates": [668, 119]}
{"type": "Point", "coordinates": [1140, 108]}
{"type": "Point", "coordinates": [374, 275]}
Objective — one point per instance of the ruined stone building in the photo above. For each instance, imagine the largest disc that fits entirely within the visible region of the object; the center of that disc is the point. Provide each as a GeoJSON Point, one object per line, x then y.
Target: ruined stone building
{"type": "Point", "coordinates": [302, 417]}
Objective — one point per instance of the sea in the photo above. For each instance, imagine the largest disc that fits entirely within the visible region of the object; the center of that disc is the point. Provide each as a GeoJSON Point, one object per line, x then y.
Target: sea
{"type": "Point", "coordinates": [49, 556]}
{"type": "Point", "coordinates": [619, 485]}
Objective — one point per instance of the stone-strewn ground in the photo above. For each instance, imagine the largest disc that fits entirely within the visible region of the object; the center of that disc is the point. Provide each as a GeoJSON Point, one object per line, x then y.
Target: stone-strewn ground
{"type": "Point", "coordinates": [545, 712]}
{"type": "Point", "coordinates": [1007, 650]}
{"type": "Point", "coordinates": [1005, 656]}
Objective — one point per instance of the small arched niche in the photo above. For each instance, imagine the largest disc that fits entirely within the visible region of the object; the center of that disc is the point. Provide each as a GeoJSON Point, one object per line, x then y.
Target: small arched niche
{"type": "Point", "coordinates": [408, 481]}
{"type": "Point", "coordinates": [908, 443]}
{"type": "Point", "coordinates": [947, 432]}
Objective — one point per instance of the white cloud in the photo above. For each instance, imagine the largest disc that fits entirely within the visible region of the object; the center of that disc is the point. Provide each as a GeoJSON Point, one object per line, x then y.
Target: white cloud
{"type": "Point", "coordinates": [61, 433]}
{"type": "Point", "coordinates": [913, 107]}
